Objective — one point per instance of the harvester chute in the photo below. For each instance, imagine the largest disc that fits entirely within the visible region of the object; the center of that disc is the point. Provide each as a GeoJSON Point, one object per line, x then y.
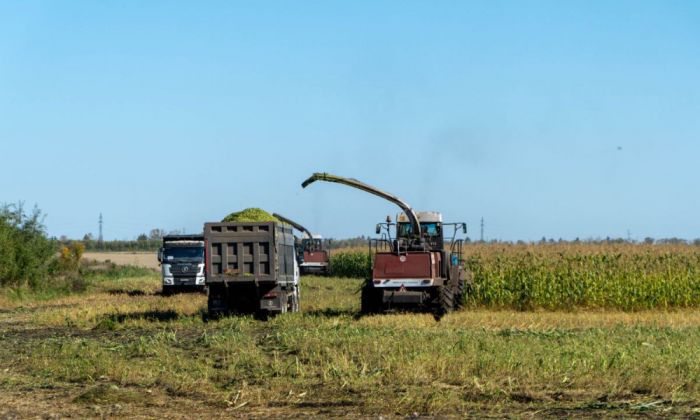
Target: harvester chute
{"type": "Point", "coordinates": [323, 176]}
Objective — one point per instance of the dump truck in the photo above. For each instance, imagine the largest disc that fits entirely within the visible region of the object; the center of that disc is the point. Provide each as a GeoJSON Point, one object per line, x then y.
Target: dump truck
{"type": "Point", "coordinates": [251, 268]}
{"type": "Point", "coordinates": [313, 256]}
{"type": "Point", "coordinates": [181, 259]}
{"type": "Point", "coordinates": [414, 267]}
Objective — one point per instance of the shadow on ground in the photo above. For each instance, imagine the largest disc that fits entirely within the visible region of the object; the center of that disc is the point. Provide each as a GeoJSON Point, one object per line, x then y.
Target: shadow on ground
{"type": "Point", "coordinates": [331, 313]}
{"type": "Point", "coordinates": [130, 292]}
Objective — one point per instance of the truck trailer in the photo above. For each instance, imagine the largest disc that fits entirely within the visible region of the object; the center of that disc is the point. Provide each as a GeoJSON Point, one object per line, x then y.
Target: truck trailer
{"type": "Point", "coordinates": [250, 268]}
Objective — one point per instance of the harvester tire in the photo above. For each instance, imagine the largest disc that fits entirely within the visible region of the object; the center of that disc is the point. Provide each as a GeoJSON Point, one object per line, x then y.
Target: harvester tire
{"type": "Point", "coordinates": [459, 295]}
{"type": "Point", "coordinates": [445, 301]}
{"type": "Point", "coordinates": [369, 304]}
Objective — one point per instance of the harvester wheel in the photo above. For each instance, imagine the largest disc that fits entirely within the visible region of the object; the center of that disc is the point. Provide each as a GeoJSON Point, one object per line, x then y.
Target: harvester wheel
{"type": "Point", "coordinates": [445, 302]}
{"type": "Point", "coordinates": [369, 303]}
{"type": "Point", "coordinates": [459, 295]}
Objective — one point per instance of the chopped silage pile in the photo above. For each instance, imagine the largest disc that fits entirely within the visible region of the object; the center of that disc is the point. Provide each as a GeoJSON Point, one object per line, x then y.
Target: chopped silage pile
{"type": "Point", "coordinates": [252, 214]}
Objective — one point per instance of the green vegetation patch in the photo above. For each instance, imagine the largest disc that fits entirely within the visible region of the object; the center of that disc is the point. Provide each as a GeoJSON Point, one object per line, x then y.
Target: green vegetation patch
{"type": "Point", "coordinates": [354, 264]}
{"type": "Point", "coordinates": [252, 214]}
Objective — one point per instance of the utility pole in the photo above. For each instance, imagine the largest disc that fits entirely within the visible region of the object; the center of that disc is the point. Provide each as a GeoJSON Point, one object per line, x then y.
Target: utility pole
{"type": "Point", "coordinates": [482, 229]}
{"type": "Point", "coordinates": [100, 238]}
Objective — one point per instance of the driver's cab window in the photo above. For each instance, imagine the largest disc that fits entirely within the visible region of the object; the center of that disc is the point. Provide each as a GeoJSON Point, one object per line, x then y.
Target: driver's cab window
{"type": "Point", "coordinates": [311, 244]}
{"type": "Point", "coordinates": [429, 229]}
{"type": "Point", "coordinates": [404, 230]}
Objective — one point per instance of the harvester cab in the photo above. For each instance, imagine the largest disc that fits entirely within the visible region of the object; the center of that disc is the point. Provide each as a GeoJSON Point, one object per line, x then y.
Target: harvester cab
{"type": "Point", "coordinates": [412, 268]}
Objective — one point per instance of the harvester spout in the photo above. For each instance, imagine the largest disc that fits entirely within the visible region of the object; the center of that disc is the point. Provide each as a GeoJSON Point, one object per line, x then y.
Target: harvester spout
{"type": "Point", "coordinates": [322, 176]}
{"type": "Point", "coordinates": [296, 225]}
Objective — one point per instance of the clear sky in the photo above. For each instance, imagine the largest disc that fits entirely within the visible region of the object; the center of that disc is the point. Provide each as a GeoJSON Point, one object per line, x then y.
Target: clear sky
{"type": "Point", "coordinates": [548, 118]}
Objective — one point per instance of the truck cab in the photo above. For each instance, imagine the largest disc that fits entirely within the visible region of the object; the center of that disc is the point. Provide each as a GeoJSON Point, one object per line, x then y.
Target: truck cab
{"type": "Point", "coordinates": [182, 263]}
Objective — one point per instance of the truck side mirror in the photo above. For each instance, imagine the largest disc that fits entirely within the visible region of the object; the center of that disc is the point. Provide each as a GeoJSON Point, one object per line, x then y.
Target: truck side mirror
{"type": "Point", "coordinates": [160, 255]}
{"type": "Point", "coordinates": [388, 218]}
{"type": "Point", "coordinates": [378, 230]}
{"type": "Point", "coordinates": [464, 228]}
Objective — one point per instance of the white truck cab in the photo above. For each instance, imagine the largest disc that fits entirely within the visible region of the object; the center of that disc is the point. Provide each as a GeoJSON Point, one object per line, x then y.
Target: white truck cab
{"type": "Point", "coordinates": [182, 263]}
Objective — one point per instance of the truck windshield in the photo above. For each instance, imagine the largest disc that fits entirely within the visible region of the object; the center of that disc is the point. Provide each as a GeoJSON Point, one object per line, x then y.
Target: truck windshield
{"type": "Point", "coordinates": [184, 253]}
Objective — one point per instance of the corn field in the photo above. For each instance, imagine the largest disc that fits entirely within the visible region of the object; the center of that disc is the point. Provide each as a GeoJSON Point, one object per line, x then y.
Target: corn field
{"type": "Point", "coordinates": [564, 276]}
{"type": "Point", "coordinates": [350, 264]}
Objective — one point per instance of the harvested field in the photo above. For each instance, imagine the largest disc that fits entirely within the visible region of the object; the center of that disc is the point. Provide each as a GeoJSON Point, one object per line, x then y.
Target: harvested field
{"type": "Point", "coordinates": [138, 259]}
{"type": "Point", "coordinates": [121, 349]}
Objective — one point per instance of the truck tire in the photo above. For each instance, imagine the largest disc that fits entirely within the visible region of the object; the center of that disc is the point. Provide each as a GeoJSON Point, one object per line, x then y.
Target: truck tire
{"type": "Point", "coordinates": [369, 300]}
{"type": "Point", "coordinates": [294, 301]}
{"type": "Point", "coordinates": [218, 304]}
{"type": "Point", "coordinates": [167, 291]}
{"type": "Point", "coordinates": [445, 301]}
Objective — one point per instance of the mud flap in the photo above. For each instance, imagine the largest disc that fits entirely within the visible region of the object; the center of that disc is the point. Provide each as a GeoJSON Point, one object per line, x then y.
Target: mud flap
{"type": "Point", "coordinates": [275, 301]}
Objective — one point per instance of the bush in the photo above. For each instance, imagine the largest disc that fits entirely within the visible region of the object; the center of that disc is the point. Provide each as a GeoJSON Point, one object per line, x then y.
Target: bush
{"type": "Point", "coordinates": [25, 250]}
{"type": "Point", "coordinates": [69, 258]}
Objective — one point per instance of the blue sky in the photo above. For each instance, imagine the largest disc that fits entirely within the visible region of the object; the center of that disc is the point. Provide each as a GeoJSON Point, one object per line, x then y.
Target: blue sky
{"type": "Point", "coordinates": [548, 118]}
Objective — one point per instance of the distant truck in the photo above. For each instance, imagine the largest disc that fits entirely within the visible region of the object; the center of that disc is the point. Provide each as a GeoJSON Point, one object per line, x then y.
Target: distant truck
{"type": "Point", "coordinates": [251, 268]}
{"type": "Point", "coordinates": [182, 263]}
{"type": "Point", "coordinates": [312, 256]}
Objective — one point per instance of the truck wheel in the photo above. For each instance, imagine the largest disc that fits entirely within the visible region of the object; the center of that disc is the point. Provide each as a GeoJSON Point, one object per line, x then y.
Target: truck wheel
{"type": "Point", "coordinates": [445, 301]}
{"type": "Point", "coordinates": [217, 302]}
{"type": "Point", "coordinates": [294, 302]}
{"type": "Point", "coordinates": [167, 291]}
{"type": "Point", "coordinates": [369, 301]}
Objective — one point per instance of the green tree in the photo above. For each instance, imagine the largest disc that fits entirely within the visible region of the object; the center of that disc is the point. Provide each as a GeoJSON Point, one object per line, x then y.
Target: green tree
{"type": "Point", "coordinates": [25, 250]}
